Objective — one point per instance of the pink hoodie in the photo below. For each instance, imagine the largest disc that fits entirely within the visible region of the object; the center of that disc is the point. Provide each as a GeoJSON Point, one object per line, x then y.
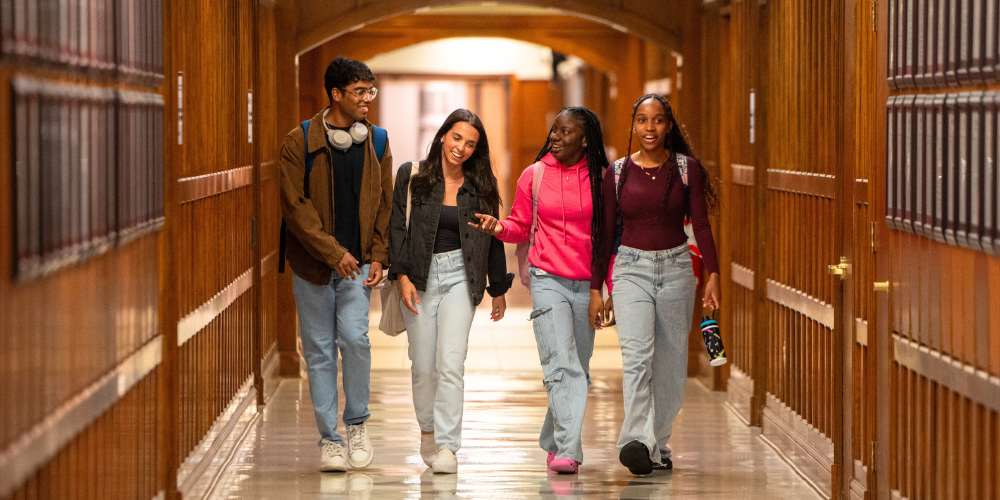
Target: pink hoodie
{"type": "Point", "coordinates": [565, 208]}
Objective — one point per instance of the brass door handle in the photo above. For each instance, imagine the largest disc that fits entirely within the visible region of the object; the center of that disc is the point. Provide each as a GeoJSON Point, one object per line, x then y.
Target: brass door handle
{"type": "Point", "coordinates": [842, 269]}
{"type": "Point", "coordinates": [881, 286]}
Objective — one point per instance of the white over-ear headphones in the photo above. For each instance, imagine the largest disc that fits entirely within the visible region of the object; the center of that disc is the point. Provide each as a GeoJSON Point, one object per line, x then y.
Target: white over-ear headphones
{"type": "Point", "coordinates": [341, 139]}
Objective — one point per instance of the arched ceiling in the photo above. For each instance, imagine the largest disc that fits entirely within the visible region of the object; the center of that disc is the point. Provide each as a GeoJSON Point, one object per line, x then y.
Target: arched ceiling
{"type": "Point", "coordinates": [321, 20]}
{"type": "Point", "coordinates": [595, 43]}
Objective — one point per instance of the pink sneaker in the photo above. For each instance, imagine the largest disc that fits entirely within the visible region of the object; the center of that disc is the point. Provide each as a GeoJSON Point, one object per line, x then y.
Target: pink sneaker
{"type": "Point", "coordinates": [564, 465]}
{"type": "Point", "coordinates": [548, 459]}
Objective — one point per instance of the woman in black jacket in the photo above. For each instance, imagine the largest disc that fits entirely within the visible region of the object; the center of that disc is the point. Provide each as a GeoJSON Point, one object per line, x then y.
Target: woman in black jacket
{"type": "Point", "coordinates": [441, 262]}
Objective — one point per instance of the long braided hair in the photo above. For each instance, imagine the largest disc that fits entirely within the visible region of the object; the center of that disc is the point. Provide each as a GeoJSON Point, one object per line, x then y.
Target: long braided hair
{"type": "Point", "coordinates": [597, 161]}
{"type": "Point", "coordinates": [478, 168]}
{"type": "Point", "coordinates": [676, 142]}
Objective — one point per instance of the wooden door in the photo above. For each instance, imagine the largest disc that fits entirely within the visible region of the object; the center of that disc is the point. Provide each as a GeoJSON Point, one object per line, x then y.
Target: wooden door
{"type": "Point", "coordinates": [864, 123]}
{"type": "Point", "coordinates": [802, 101]}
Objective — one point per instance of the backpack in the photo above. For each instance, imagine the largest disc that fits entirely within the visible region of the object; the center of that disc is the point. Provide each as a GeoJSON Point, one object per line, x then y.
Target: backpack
{"type": "Point", "coordinates": [682, 169]}
{"type": "Point", "coordinates": [522, 248]}
{"type": "Point", "coordinates": [378, 137]}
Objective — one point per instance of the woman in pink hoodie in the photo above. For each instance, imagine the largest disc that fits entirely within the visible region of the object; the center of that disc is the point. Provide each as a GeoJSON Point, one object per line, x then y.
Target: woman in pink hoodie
{"type": "Point", "coordinates": [571, 164]}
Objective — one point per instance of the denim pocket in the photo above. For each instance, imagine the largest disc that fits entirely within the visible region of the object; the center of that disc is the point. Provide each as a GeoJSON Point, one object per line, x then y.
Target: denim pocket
{"type": "Point", "coordinates": [559, 396]}
{"type": "Point", "coordinates": [625, 261]}
{"type": "Point", "coordinates": [541, 322]}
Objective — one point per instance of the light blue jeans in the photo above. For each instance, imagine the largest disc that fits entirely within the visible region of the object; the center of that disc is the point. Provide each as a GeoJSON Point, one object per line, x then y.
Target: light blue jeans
{"type": "Point", "coordinates": [565, 344]}
{"type": "Point", "coordinates": [654, 296]}
{"type": "Point", "coordinates": [439, 342]}
{"type": "Point", "coordinates": [335, 316]}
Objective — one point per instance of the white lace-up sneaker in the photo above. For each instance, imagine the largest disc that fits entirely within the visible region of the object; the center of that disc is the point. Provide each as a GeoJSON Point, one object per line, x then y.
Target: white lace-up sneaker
{"type": "Point", "coordinates": [445, 463]}
{"type": "Point", "coordinates": [359, 448]}
{"type": "Point", "coordinates": [332, 457]}
{"type": "Point", "coordinates": [428, 448]}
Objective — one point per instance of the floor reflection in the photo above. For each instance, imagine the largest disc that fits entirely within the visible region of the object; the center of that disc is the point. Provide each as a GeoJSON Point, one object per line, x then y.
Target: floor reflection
{"type": "Point", "coordinates": [715, 455]}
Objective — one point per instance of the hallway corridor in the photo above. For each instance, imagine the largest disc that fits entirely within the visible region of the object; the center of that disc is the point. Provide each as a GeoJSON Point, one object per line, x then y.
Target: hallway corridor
{"type": "Point", "coordinates": [716, 455]}
{"type": "Point", "coordinates": [150, 344]}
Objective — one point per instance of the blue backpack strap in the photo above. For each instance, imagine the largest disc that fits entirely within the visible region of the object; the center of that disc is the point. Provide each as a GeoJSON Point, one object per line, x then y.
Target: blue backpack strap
{"type": "Point", "coordinates": [379, 137]}
{"type": "Point", "coordinates": [310, 159]}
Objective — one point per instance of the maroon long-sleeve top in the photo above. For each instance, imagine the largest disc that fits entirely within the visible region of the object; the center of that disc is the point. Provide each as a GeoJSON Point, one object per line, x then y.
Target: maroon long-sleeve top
{"type": "Point", "coordinates": [648, 223]}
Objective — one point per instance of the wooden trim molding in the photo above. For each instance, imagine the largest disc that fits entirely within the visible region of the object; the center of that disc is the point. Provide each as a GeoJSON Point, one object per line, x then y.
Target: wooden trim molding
{"type": "Point", "coordinates": [742, 175]}
{"type": "Point", "coordinates": [269, 263]}
{"type": "Point", "coordinates": [861, 191]}
{"type": "Point", "coordinates": [800, 302]}
{"type": "Point", "coordinates": [861, 331]}
{"type": "Point", "coordinates": [270, 366]}
{"type": "Point", "coordinates": [967, 380]}
{"type": "Point", "coordinates": [742, 276]}
{"type": "Point", "coordinates": [808, 451]}
{"type": "Point", "coordinates": [739, 392]}
{"type": "Point", "coordinates": [202, 186]}
{"type": "Point", "coordinates": [859, 483]}
{"type": "Point", "coordinates": [268, 170]}
{"type": "Point", "coordinates": [37, 446]}
{"type": "Point", "coordinates": [802, 182]}
{"type": "Point", "coordinates": [197, 474]}
{"type": "Point", "coordinates": [198, 319]}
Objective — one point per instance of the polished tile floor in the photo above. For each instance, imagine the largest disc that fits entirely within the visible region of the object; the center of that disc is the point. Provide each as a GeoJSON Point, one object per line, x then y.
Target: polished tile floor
{"type": "Point", "coordinates": [715, 455]}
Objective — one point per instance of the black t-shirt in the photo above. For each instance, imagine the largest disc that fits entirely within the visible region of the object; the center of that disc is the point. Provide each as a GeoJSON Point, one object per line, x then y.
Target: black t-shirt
{"type": "Point", "coordinates": [447, 238]}
{"type": "Point", "coordinates": [348, 167]}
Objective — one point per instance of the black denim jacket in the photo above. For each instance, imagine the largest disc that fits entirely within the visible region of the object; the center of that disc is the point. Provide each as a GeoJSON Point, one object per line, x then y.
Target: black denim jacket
{"type": "Point", "coordinates": [410, 250]}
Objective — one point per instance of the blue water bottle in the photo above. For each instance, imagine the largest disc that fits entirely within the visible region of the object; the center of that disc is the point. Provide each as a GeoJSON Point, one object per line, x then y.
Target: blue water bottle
{"type": "Point", "coordinates": [713, 340]}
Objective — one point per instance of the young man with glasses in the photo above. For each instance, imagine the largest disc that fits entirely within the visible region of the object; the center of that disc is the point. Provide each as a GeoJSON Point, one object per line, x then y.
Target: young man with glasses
{"type": "Point", "coordinates": [336, 197]}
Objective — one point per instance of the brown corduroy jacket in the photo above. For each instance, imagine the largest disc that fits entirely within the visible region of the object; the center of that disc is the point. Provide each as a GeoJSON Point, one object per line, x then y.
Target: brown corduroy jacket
{"type": "Point", "coordinates": [311, 249]}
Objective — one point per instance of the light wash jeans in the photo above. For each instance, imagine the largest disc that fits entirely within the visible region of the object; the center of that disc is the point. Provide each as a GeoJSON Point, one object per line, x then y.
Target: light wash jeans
{"type": "Point", "coordinates": [439, 342]}
{"type": "Point", "coordinates": [565, 344]}
{"type": "Point", "coordinates": [335, 316]}
{"type": "Point", "coordinates": [654, 297]}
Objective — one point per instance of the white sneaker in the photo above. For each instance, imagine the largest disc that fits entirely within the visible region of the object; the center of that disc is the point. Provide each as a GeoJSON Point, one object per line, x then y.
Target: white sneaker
{"type": "Point", "coordinates": [332, 457]}
{"type": "Point", "coordinates": [359, 448]}
{"type": "Point", "coordinates": [445, 463]}
{"type": "Point", "coordinates": [428, 448]}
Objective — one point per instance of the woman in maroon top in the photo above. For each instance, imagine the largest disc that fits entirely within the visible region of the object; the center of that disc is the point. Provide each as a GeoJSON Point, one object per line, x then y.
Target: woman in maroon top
{"type": "Point", "coordinates": [654, 284]}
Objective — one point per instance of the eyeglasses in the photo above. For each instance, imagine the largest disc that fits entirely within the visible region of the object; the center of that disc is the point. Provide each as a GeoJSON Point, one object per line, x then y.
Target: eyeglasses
{"type": "Point", "coordinates": [361, 91]}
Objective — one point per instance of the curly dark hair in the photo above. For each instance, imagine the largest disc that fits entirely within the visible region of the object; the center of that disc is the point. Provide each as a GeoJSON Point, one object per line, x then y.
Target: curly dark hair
{"type": "Point", "coordinates": [342, 72]}
{"type": "Point", "coordinates": [597, 161]}
{"type": "Point", "coordinates": [478, 168]}
{"type": "Point", "coordinates": [676, 142]}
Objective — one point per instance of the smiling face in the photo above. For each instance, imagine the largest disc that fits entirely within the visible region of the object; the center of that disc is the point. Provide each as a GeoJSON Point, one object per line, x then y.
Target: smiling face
{"type": "Point", "coordinates": [347, 103]}
{"type": "Point", "coordinates": [566, 139]}
{"type": "Point", "coordinates": [651, 125]}
{"type": "Point", "coordinates": [458, 144]}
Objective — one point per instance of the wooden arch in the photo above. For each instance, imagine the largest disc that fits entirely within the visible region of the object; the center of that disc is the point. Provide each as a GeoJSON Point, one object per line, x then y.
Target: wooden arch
{"type": "Point", "coordinates": [318, 21]}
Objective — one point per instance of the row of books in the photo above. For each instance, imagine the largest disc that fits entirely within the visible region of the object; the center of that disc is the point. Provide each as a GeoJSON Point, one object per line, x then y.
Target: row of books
{"type": "Point", "coordinates": [88, 171]}
{"type": "Point", "coordinates": [939, 43]}
{"type": "Point", "coordinates": [942, 178]}
{"type": "Point", "coordinates": [109, 35]}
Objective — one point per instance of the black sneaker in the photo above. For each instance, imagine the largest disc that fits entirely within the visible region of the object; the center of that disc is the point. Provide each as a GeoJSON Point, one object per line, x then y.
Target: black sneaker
{"type": "Point", "coordinates": [665, 464]}
{"type": "Point", "coordinates": [635, 456]}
